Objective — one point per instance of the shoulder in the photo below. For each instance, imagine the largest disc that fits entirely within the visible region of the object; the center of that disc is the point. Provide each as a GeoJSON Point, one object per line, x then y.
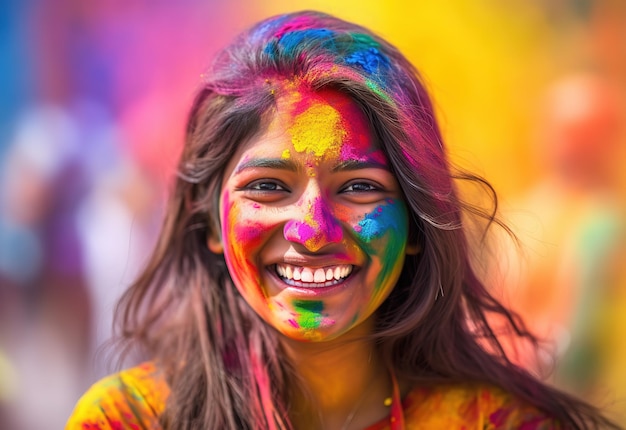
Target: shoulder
{"type": "Point", "coordinates": [472, 406]}
{"type": "Point", "coordinates": [132, 398]}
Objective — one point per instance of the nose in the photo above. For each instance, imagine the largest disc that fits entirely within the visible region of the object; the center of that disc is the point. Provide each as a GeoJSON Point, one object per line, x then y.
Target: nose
{"type": "Point", "coordinates": [314, 226]}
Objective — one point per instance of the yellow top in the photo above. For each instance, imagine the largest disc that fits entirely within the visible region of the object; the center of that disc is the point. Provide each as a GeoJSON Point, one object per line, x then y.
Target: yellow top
{"type": "Point", "coordinates": [131, 399]}
{"type": "Point", "coordinates": [134, 399]}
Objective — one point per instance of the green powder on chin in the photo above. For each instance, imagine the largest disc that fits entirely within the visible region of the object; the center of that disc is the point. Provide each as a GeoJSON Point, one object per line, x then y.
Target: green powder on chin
{"type": "Point", "coordinates": [309, 313]}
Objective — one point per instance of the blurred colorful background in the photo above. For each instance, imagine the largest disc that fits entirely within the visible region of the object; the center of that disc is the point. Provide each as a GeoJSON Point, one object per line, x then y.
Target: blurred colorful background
{"type": "Point", "coordinates": [93, 98]}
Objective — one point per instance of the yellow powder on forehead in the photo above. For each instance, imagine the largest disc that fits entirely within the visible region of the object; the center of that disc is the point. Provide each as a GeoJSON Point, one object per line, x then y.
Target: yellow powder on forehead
{"type": "Point", "coordinates": [286, 154]}
{"type": "Point", "coordinates": [317, 130]}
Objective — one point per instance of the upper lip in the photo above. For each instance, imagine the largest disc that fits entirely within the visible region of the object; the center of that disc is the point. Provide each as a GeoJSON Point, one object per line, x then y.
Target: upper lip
{"type": "Point", "coordinates": [315, 261]}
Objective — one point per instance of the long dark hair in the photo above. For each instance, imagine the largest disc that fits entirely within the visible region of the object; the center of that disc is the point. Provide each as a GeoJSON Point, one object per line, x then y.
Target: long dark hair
{"type": "Point", "coordinates": [216, 353]}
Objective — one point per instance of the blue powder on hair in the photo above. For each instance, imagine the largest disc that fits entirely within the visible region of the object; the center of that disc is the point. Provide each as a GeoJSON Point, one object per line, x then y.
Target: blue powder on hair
{"type": "Point", "coordinates": [271, 48]}
{"type": "Point", "coordinates": [370, 60]}
{"type": "Point", "coordinates": [292, 40]}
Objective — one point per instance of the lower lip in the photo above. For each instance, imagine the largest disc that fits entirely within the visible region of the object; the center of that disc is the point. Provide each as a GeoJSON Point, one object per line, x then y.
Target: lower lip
{"type": "Point", "coordinates": [312, 291]}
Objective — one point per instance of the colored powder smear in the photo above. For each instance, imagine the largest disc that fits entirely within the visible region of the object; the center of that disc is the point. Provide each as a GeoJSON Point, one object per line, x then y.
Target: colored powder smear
{"type": "Point", "coordinates": [382, 219]}
{"type": "Point", "coordinates": [309, 313]}
{"type": "Point", "coordinates": [347, 52]}
{"type": "Point", "coordinates": [370, 59]}
{"type": "Point", "coordinates": [305, 232]}
{"type": "Point", "coordinates": [242, 235]}
{"type": "Point", "coordinates": [388, 222]}
{"type": "Point", "coordinates": [317, 130]}
{"type": "Point", "coordinates": [292, 41]}
{"type": "Point", "coordinates": [374, 87]}
{"type": "Point", "coordinates": [318, 228]}
{"type": "Point", "coordinates": [294, 24]}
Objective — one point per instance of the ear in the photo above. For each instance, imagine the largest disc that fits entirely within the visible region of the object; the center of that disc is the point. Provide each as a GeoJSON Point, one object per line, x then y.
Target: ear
{"type": "Point", "coordinates": [412, 248]}
{"type": "Point", "coordinates": [214, 243]}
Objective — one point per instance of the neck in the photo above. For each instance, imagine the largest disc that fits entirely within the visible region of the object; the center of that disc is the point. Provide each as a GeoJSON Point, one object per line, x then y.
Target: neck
{"type": "Point", "coordinates": [345, 380]}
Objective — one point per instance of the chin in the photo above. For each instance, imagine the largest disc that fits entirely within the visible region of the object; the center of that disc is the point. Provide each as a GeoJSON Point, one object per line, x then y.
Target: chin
{"type": "Point", "coordinates": [318, 334]}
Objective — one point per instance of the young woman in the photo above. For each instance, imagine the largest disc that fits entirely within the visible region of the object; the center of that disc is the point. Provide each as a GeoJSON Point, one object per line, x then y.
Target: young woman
{"type": "Point", "coordinates": [313, 271]}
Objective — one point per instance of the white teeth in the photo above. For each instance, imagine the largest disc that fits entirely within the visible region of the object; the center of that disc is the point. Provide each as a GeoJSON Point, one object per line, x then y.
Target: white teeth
{"type": "Point", "coordinates": [307, 275]}
{"type": "Point", "coordinates": [323, 275]}
{"type": "Point", "coordinates": [329, 275]}
{"type": "Point", "coordinates": [319, 276]}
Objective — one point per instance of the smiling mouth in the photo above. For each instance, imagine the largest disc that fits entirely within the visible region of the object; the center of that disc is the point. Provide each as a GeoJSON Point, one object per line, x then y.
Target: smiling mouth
{"type": "Point", "coordinates": [308, 277]}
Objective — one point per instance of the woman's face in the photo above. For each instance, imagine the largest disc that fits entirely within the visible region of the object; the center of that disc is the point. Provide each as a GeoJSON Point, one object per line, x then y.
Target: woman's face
{"type": "Point", "coordinates": [313, 224]}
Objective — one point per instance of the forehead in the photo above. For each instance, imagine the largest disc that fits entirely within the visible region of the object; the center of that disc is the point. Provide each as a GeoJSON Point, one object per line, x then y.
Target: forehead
{"type": "Point", "coordinates": [322, 124]}
{"type": "Point", "coordinates": [294, 101]}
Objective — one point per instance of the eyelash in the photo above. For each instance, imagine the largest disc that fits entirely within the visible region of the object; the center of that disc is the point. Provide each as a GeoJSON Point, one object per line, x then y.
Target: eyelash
{"type": "Point", "coordinates": [256, 186]}
{"type": "Point", "coordinates": [370, 187]}
{"type": "Point", "coordinates": [275, 186]}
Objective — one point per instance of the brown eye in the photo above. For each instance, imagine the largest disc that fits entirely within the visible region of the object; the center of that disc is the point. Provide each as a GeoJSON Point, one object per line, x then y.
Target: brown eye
{"type": "Point", "coordinates": [266, 186]}
{"type": "Point", "coordinates": [360, 187]}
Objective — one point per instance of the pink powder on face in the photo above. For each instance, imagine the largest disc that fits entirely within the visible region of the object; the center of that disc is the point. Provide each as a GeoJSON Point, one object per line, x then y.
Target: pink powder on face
{"type": "Point", "coordinates": [324, 124]}
{"type": "Point", "coordinates": [354, 143]}
{"type": "Point", "coordinates": [302, 232]}
{"type": "Point", "coordinates": [327, 321]}
{"type": "Point", "coordinates": [317, 127]}
{"type": "Point", "coordinates": [317, 132]}
{"type": "Point", "coordinates": [317, 228]}
{"type": "Point", "coordinates": [349, 152]}
{"type": "Point", "coordinates": [242, 234]}
{"type": "Point", "coordinates": [247, 231]}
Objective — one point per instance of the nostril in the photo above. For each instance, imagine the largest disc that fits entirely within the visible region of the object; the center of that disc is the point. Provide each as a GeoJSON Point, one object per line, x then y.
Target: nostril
{"type": "Point", "coordinates": [316, 227]}
{"type": "Point", "coordinates": [312, 235]}
{"type": "Point", "coordinates": [296, 231]}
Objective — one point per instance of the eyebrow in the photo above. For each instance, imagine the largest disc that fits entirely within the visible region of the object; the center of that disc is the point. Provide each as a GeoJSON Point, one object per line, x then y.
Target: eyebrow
{"type": "Point", "coordinates": [272, 163]}
{"type": "Point", "coordinates": [349, 165]}
{"type": "Point", "coordinates": [289, 165]}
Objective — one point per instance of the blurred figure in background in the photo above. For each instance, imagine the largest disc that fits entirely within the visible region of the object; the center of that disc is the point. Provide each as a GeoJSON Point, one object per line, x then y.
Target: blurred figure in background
{"type": "Point", "coordinates": [78, 202]}
{"type": "Point", "coordinates": [116, 224]}
{"type": "Point", "coordinates": [569, 285]}
{"type": "Point", "coordinates": [45, 309]}
{"type": "Point", "coordinates": [75, 222]}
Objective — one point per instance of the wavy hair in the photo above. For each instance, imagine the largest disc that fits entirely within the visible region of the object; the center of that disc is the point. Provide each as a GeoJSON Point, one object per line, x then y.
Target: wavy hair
{"type": "Point", "coordinates": [184, 310]}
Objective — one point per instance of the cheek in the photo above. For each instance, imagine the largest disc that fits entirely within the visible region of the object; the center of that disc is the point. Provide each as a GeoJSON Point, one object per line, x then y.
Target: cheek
{"type": "Point", "coordinates": [382, 234]}
{"type": "Point", "coordinates": [244, 231]}
{"type": "Point", "coordinates": [243, 234]}
{"type": "Point", "coordinates": [389, 220]}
